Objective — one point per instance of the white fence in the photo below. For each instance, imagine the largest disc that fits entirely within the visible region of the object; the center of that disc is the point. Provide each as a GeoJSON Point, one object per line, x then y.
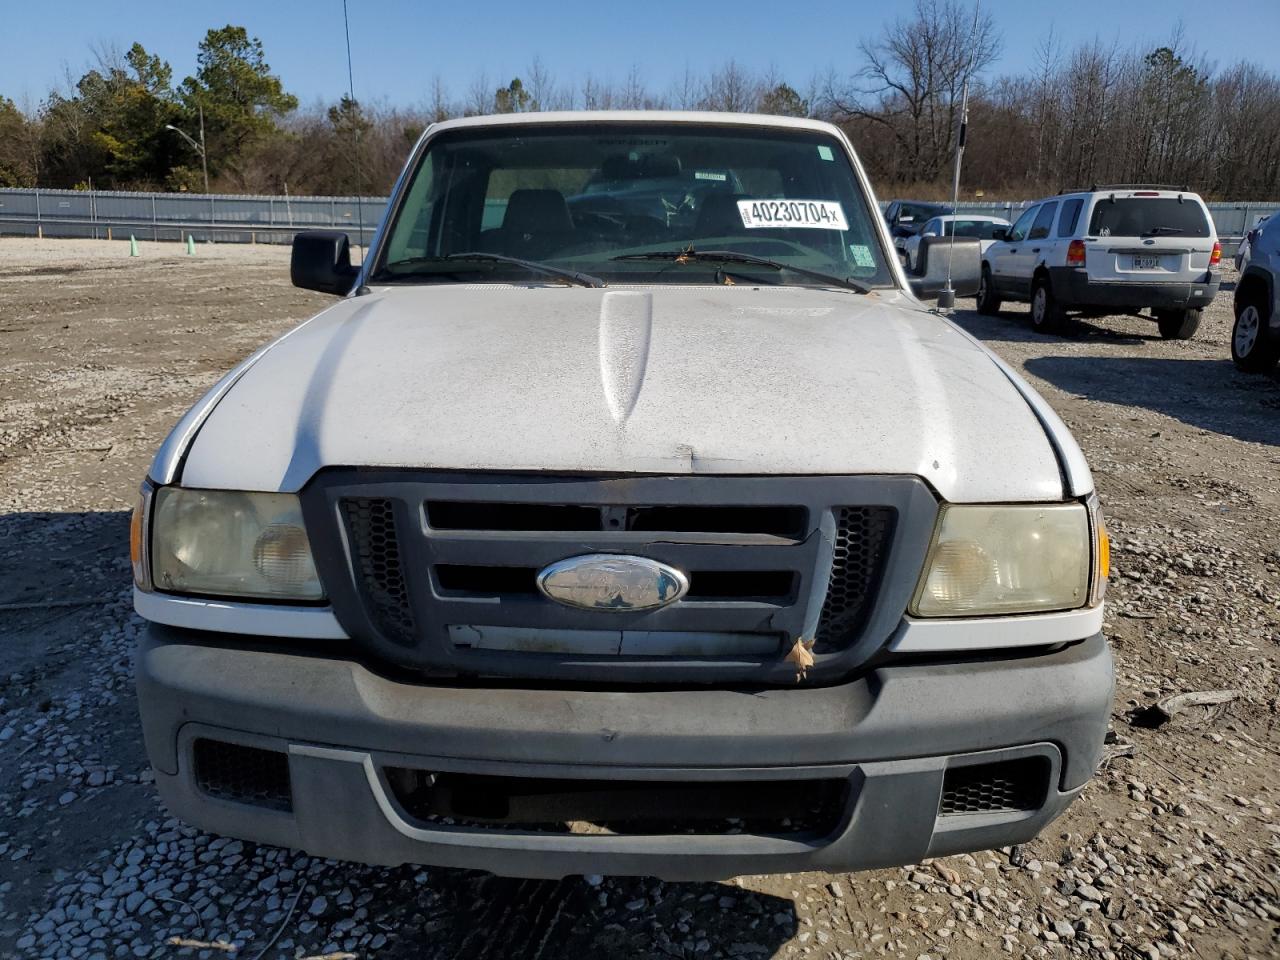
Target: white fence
{"type": "Point", "coordinates": [227, 218]}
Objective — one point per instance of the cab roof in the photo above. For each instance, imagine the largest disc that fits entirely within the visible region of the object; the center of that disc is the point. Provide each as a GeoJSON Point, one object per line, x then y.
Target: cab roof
{"type": "Point", "coordinates": [638, 116]}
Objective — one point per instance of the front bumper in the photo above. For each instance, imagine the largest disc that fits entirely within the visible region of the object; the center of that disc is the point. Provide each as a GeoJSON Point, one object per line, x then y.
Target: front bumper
{"type": "Point", "coordinates": [1073, 288]}
{"type": "Point", "coordinates": [893, 734]}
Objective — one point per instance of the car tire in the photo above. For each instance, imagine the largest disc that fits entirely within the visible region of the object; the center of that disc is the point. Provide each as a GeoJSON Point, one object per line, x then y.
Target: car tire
{"type": "Point", "coordinates": [988, 300]}
{"type": "Point", "coordinates": [1251, 349]}
{"type": "Point", "coordinates": [1047, 315]}
{"type": "Point", "coordinates": [1178, 324]}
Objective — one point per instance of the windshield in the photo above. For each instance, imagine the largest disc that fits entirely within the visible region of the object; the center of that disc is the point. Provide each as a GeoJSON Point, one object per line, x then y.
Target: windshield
{"type": "Point", "coordinates": [982, 229]}
{"type": "Point", "coordinates": [1148, 216]}
{"type": "Point", "coordinates": [918, 212]}
{"type": "Point", "coordinates": [579, 196]}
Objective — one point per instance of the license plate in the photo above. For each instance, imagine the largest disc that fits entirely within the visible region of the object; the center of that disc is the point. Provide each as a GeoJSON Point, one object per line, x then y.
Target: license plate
{"type": "Point", "coordinates": [1146, 263]}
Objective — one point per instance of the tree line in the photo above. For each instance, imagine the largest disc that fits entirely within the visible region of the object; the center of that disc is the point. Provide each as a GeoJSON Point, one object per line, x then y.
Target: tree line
{"type": "Point", "coordinates": [1095, 113]}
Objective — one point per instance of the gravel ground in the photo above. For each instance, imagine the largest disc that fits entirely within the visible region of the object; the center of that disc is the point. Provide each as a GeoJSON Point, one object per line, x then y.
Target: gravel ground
{"type": "Point", "coordinates": [1171, 852]}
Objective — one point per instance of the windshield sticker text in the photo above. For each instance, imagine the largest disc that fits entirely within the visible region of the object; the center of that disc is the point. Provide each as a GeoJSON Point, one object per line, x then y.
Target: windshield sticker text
{"type": "Point", "coordinates": [813, 214]}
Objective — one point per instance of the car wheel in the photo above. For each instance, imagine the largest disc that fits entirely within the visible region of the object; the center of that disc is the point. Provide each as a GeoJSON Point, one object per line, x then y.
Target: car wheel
{"type": "Point", "coordinates": [1047, 315]}
{"type": "Point", "coordinates": [988, 301]}
{"type": "Point", "coordinates": [1178, 324]}
{"type": "Point", "coordinates": [1251, 349]}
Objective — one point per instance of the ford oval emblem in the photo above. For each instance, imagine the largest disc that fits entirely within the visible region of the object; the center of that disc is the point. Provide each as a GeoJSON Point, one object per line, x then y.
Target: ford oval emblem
{"type": "Point", "coordinates": [607, 581]}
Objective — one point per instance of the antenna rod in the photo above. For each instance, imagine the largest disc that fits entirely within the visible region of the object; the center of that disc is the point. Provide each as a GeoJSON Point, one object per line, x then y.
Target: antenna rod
{"type": "Point", "coordinates": [947, 299]}
{"type": "Point", "coordinates": [355, 131]}
{"type": "Point", "coordinates": [955, 182]}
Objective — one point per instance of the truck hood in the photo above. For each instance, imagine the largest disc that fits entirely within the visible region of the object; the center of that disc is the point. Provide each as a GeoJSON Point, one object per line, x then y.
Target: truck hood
{"type": "Point", "coordinates": [664, 380]}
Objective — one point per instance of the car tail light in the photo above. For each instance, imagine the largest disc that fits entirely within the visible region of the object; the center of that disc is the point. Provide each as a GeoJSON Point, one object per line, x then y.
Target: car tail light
{"type": "Point", "coordinates": [1215, 258]}
{"type": "Point", "coordinates": [1147, 193]}
{"type": "Point", "coordinates": [1075, 253]}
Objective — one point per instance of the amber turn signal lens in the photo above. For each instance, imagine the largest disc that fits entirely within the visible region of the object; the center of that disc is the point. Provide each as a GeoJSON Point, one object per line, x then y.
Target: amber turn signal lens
{"type": "Point", "coordinates": [1104, 552]}
{"type": "Point", "coordinates": [137, 553]}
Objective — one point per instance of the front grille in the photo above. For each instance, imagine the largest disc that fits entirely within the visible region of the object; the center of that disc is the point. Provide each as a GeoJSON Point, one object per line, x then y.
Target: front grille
{"type": "Point", "coordinates": [443, 568]}
{"type": "Point", "coordinates": [788, 522]}
{"type": "Point", "coordinates": [375, 548]}
{"type": "Point", "coordinates": [862, 541]}
{"type": "Point", "coordinates": [1004, 786]}
{"type": "Point", "coordinates": [240, 774]}
{"type": "Point", "coordinates": [810, 808]}
{"type": "Point", "coordinates": [496, 581]}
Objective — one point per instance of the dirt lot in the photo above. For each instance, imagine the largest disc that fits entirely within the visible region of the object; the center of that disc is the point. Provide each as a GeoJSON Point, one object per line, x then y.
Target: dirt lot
{"type": "Point", "coordinates": [1174, 850]}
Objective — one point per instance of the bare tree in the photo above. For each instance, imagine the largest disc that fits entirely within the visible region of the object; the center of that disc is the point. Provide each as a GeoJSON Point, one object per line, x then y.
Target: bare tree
{"type": "Point", "coordinates": [439, 107]}
{"type": "Point", "coordinates": [479, 96]}
{"type": "Point", "coordinates": [912, 80]}
{"type": "Point", "coordinates": [685, 90]}
{"type": "Point", "coordinates": [596, 94]}
{"type": "Point", "coordinates": [543, 94]}
{"type": "Point", "coordinates": [730, 89]}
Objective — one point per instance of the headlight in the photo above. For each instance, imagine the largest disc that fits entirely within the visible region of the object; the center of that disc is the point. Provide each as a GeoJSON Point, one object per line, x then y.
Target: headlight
{"type": "Point", "coordinates": [229, 544]}
{"type": "Point", "coordinates": [993, 560]}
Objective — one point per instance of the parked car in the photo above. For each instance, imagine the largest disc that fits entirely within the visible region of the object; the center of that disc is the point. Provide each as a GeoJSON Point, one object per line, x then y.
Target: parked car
{"type": "Point", "coordinates": [1242, 251]}
{"type": "Point", "coordinates": [552, 549]}
{"type": "Point", "coordinates": [980, 227]}
{"type": "Point", "coordinates": [1115, 249]}
{"type": "Point", "coordinates": [906, 218]}
{"type": "Point", "coordinates": [1255, 339]}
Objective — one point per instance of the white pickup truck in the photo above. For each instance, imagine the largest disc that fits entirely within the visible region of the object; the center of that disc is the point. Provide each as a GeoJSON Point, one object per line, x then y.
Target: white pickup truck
{"type": "Point", "coordinates": [629, 514]}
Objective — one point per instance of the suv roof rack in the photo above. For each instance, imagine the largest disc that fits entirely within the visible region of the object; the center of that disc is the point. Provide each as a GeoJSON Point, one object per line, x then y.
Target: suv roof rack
{"type": "Point", "coordinates": [1127, 186]}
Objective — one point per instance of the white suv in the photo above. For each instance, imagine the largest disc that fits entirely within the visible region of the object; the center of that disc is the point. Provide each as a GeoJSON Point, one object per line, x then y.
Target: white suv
{"type": "Point", "coordinates": [1108, 250]}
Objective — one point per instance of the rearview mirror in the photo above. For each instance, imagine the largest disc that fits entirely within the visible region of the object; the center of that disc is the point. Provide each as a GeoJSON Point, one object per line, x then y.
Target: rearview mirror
{"type": "Point", "coordinates": [1000, 233]}
{"type": "Point", "coordinates": [321, 260]}
{"type": "Point", "coordinates": [930, 276]}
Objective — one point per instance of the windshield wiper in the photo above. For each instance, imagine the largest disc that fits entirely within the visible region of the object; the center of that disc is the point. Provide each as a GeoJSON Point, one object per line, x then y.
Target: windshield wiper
{"type": "Point", "coordinates": [689, 255]}
{"type": "Point", "coordinates": [1160, 231]}
{"type": "Point", "coordinates": [572, 276]}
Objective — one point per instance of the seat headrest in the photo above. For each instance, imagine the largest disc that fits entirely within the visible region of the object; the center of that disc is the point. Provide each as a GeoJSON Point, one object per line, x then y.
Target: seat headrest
{"type": "Point", "coordinates": [719, 215]}
{"type": "Point", "coordinates": [537, 211]}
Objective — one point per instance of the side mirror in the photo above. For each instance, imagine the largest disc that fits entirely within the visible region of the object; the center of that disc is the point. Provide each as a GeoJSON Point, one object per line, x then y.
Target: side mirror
{"type": "Point", "coordinates": [1000, 233]}
{"type": "Point", "coordinates": [321, 260]}
{"type": "Point", "coordinates": [930, 276]}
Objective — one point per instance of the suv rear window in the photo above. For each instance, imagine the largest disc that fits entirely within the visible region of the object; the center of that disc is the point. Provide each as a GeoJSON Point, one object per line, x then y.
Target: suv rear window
{"type": "Point", "coordinates": [1148, 216]}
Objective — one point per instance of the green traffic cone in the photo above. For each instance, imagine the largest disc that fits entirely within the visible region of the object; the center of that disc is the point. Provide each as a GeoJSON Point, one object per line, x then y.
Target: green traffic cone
{"type": "Point", "coordinates": [133, 245]}
{"type": "Point", "coordinates": [191, 245]}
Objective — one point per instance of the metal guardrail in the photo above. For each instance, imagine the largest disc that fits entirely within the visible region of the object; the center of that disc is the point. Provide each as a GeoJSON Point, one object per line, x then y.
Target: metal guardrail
{"type": "Point", "coordinates": [175, 216]}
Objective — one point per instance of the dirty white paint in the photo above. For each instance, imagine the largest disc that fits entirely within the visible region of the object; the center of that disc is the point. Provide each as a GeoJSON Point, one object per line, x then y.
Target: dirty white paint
{"type": "Point", "coordinates": [550, 378]}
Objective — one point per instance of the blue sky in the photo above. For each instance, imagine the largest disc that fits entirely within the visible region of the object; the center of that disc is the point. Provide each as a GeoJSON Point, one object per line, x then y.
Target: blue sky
{"type": "Point", "coordinates": [400, 45]}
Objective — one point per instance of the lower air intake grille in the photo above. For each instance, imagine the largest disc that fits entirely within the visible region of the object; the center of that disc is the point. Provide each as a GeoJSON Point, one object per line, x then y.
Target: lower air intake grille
{"type": "Point", "coordinates": [862, 540]}
{"type": "Point", "coordinates": [995, 787]}
{"type": "Point", "coordinates": [242, 774]}
{"type": "Point", "coordinates": [371, 529]}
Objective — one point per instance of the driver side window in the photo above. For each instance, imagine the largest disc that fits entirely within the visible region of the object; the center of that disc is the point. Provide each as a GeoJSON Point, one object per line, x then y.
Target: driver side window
{"type": "Point", "coordinates": [1019, 230]}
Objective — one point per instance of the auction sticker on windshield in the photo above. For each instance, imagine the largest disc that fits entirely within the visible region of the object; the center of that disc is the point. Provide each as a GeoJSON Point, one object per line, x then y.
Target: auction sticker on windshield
{"type": "Point", "coordinates": [819, 214]}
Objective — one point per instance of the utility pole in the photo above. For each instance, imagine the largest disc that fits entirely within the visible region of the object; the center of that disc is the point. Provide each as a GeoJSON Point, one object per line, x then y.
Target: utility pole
{"type": "Point", "coordinates": [204, 157]}
{"type": "Point", "coordinates": [198, 147]}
